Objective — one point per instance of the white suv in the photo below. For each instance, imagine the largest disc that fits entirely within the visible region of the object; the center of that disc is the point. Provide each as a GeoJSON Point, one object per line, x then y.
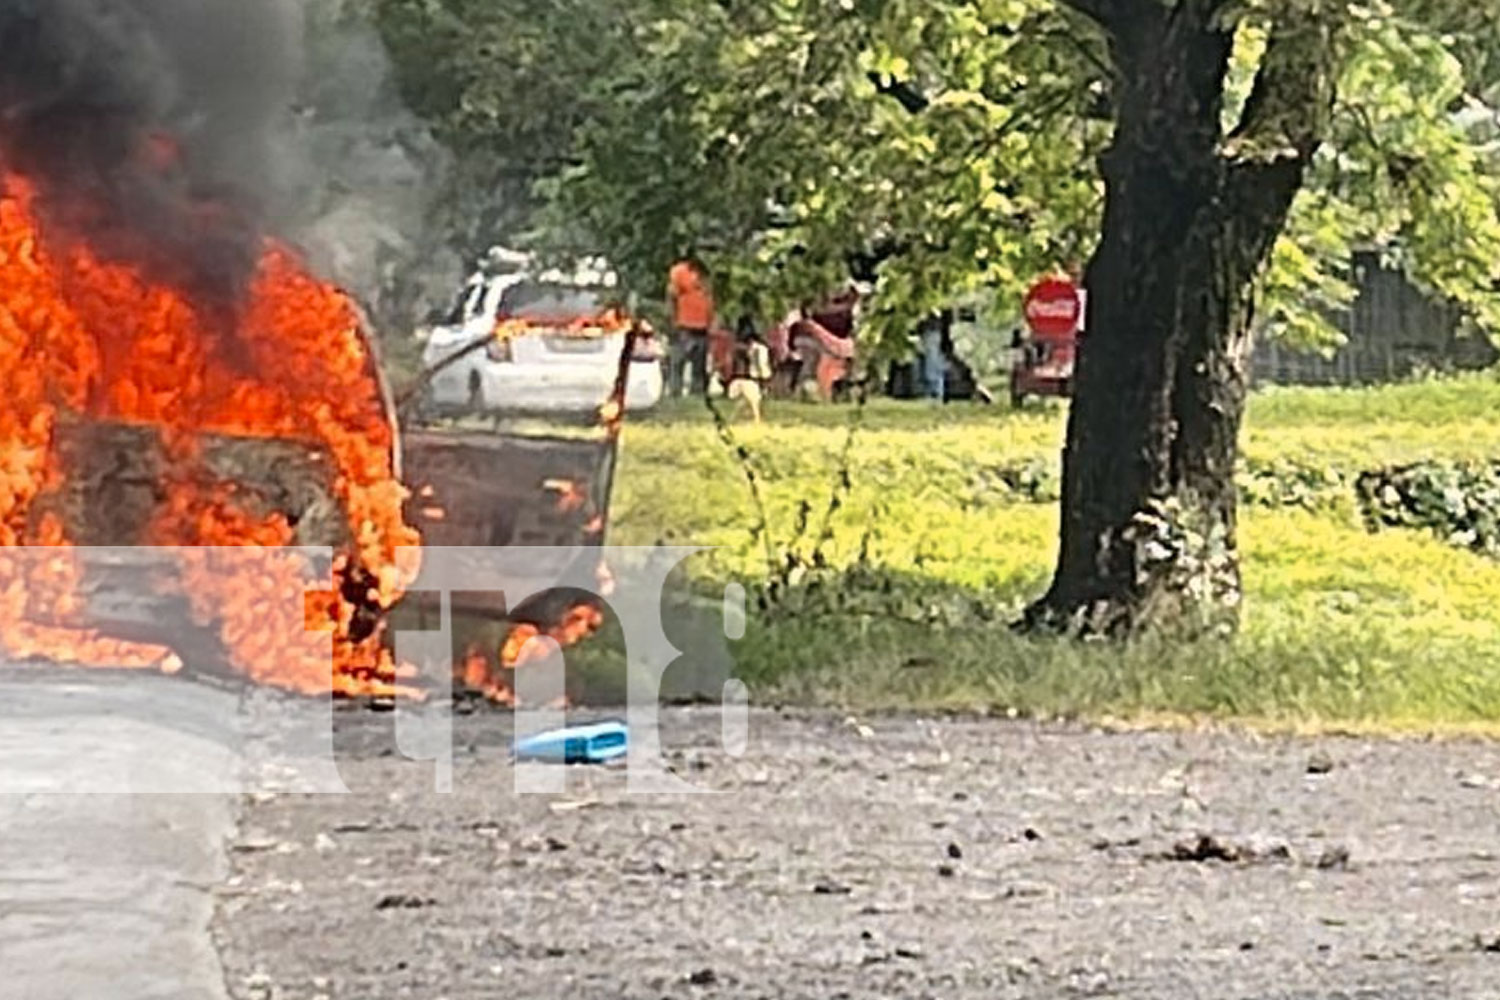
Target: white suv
{"type": "Point", "coordinates": [552, 348]}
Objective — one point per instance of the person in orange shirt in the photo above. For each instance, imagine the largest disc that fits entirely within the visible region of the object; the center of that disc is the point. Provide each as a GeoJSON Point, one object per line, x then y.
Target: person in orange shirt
{"type": "Point", "coordinates": [692, 306]}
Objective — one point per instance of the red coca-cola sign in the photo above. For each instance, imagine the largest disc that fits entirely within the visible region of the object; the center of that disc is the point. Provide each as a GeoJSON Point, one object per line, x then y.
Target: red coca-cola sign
{"type": "Point", "coordinates": [1054, 308]}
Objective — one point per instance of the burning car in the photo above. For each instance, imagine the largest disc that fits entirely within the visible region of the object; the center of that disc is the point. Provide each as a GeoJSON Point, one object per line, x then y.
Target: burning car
{"type": "Point", "coordinates": [139, 414]}
{"type": "Point", "coordinates": [167, 449]}
{"type": "Point", "coordinates": [552, 345]}
{"type": "Point", "coordinates": [202, 467]}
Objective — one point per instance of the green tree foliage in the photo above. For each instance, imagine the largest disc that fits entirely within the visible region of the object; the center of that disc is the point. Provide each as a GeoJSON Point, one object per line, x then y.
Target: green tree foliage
{"type": "Point", "coordinates": [943, 140]}
{"type": "Point", "coordinates": [1405, 170]}
{"type": "Point", "coordinates": [506, 85]}
{"type": "Point", "coordinates": [953, 141]}
{"type": "Point", "coordinates": [1217, 162]}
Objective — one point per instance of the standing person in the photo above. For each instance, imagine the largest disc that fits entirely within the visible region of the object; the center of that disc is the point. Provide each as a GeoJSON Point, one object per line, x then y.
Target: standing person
{"type": "Point", "coordinates": [937, 340]}
{"type": "Point", "coordinates": [692, 307]}
{"type": "Point", "coordinates": [823, 339]}
{"type": "Point", "coordinates": [750, 371]}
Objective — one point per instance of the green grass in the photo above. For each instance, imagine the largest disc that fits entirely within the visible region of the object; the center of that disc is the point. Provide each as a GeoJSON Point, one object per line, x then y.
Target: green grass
{"type": "Point", "coordinates": [1447, 418]}
{"type": "Point", "coordinates": [1341, 627]}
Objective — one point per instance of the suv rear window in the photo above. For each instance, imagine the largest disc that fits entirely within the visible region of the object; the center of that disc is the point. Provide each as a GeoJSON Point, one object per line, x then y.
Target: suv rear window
{"type": "Point", "coordinates": [547, 303]}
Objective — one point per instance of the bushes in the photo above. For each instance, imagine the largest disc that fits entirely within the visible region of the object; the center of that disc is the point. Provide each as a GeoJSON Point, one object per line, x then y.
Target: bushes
{"type": "Point", "coordinates": [1280, 483]}
{"type": "Point", "coordinates": [1457, 501]}
{"type": "Point", "coordinates": [1287, 483]}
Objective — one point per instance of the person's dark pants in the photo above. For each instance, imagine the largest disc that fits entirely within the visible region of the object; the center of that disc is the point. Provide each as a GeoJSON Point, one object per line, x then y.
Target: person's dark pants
{"type": "Point", "coordinates": [810, 350]}
{"type": "Point", "coordinates": [934, 365]}
{"type": "Point", "coordinates": [690, 348]}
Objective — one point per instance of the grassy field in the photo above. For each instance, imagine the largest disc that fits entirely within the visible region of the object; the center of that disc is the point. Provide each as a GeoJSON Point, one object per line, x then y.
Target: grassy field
{"type": "Point", "coordinates": [953, 511]}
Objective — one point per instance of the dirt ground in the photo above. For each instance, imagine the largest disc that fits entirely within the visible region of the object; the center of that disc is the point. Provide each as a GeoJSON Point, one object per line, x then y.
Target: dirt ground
{"type": "Point", "coordinates": [895, 857]}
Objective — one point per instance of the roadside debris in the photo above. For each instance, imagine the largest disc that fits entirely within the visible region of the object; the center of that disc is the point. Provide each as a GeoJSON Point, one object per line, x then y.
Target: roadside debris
{"type": "Point", "coordinates": [572, 806]}
{"type": "Point", "coordinates": [404, 901]}
{"type": "Point", "coordinates": [1320, 763]}
{"type": "Point", "coordinates": [259, 986]}
{"type": "Point", "coordinates": [1205, 848]}
{"type": "Point", "coordinates": [827, 888]}
{"type": "Point", "coordinates": [703, 977]}
{"type": "Point", "coordinates": [1208, 848]}
{"type": "Point", "coordinates": [260, 844]}
{"type": "Point", "coordinates": [900, 953]}
{"type": "Point", "coordinates": [1335, 858]}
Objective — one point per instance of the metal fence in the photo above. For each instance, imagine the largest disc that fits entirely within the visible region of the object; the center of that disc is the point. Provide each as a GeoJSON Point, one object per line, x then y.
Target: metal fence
{"type": "Point", "coordinates": [1393, 331]}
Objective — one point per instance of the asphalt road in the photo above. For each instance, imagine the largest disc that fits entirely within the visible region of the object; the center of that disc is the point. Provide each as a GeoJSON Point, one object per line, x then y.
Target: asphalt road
{"type": "Point", "coordinates": [894, 857]}
{"type": "Point", "coordinates": [901, 857]}
{"type": "Point", "coordinates": [107, 870]}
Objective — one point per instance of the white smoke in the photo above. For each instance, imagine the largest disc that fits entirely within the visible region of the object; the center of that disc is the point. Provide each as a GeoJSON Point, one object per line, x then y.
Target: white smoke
{"type": "Point", "coordinates": [362, 172]}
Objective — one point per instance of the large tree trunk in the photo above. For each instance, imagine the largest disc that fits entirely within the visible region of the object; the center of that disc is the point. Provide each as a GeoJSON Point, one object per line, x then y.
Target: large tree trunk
{"type": "Point", "coordinates": [1148, 527]}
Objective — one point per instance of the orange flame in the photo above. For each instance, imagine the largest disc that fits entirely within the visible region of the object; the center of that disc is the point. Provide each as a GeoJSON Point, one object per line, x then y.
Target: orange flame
{"type": "Point", "coordinates": [578, 623]}
{"type": "Point", "coordinates": [569, 496]}
{"type": "Point", "coordinates": [94, 337]}
{"type": "Point", "coordinates": [479, 675]}
{"type": "Point", "coordinates": [494, 679]}
{"type": "Point", "coordinates": [608, 322]}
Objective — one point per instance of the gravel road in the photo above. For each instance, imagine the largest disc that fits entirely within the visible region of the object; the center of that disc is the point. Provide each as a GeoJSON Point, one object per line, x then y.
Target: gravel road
{"type": "Point", "coordinates": [895, 857]}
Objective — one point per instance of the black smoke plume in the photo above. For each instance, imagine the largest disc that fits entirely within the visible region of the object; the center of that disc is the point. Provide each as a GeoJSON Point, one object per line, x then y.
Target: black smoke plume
{"type": "Point", "coordinates": [178, 134]}
{"type": "Point", "coordinates": [145, 126]}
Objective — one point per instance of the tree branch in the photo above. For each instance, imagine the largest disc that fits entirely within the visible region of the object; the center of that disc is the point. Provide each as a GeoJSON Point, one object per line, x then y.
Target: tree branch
{"type": "Point", "coordinates": [908, 96]}
{"type": "Point", "coordinates": [1100, 63]}
{"type": "Point", "coordinates": [1286, 119]}
{"type": "Point", "coordinates": [1115, 15]}
{"type": "Point", "coordinates": [1288, 113]}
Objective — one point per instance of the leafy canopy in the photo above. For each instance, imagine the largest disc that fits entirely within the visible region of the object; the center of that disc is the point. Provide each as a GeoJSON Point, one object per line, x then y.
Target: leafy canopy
{"type": "Point", "coordinates": [948, 146]}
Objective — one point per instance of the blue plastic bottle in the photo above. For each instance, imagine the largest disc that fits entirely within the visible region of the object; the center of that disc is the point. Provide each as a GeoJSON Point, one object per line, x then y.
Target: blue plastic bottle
{"type": "Point", "coordinates": [596, 743]}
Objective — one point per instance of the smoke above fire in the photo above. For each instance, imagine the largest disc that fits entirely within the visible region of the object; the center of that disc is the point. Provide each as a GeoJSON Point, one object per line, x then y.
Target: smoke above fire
{"type": "Point", "coordinates": [178, 134]}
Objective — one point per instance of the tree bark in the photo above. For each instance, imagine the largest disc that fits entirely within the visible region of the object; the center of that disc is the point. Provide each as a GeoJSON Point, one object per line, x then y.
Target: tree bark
{"type": "Point", "coordinates": [1148, 535]}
